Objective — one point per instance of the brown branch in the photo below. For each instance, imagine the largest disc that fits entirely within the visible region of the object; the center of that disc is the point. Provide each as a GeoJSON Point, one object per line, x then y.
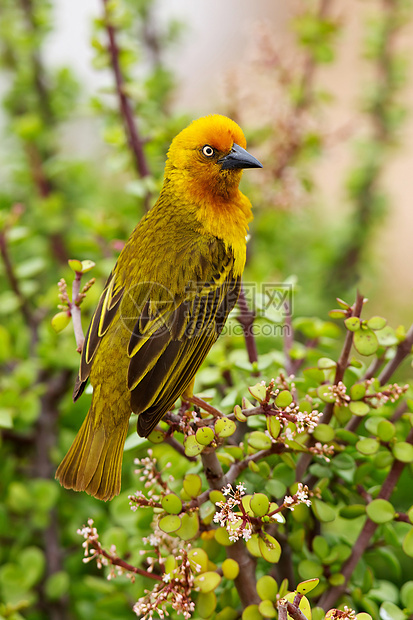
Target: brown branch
{"type": "Point", "coordinates": [116, 561]}
{"type": "Point", "coordinates": [76, 312]}
{"type": "Point", "coordinates": [341, 367]}
{"type": "Point", "coordinates": [14, 283]}
{"type": "Point", "coordinates": [330, 597]}
{"type": "Point", "coordinates": [245, 582]}
{"type": "Point", "coordinates": [402, 351]}
{"type": "Point", "coordinates": [134, 140]}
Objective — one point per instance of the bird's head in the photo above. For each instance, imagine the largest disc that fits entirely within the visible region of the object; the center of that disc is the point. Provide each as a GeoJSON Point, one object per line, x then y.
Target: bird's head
{"type": "Point", "coordinates": [208, 156]}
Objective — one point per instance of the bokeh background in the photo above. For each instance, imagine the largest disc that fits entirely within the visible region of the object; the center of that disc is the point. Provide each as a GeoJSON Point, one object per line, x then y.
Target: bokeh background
{"type": "Point", "coordinates": [323, 91]}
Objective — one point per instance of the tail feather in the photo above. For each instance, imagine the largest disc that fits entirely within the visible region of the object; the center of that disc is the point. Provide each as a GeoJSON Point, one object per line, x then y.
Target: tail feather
{"type": "Point", "coordinates": [94, 461]}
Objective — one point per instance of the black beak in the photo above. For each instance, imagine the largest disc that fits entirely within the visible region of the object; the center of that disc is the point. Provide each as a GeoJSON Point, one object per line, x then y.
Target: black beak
{"type": "Point", "coordinates": [238, 158]}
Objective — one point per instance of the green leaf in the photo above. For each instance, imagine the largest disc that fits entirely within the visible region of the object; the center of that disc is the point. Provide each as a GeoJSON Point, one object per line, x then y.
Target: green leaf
{"type": "Point", "coordinates": [170, 523]}
{"type": "Point", "coordinates": [192, 484]}
{"type": "Point", "coordinates": [269, 548]}
{"type": "Point", "coordinates": [390, 611]}
{"type": "Point", "coordinates": [192, 447]}
{"type": "Point", "coordinates": [324, 433]}
{"type": "Point", "coordinates": [225, 427]}
{"type": "Point", "coordinates": [367, 446]}
{"type": "Point", "coordinates": [403, 451]}
{"type": "Point", "coordinates": [365, 342]}
{"type": "Point", "coordinates": [357, 391]}
{"type": "Point", "coordinates": [205, 435]}
{"type": "Point", "coordinates": [284, 399]}
{"type": "Point", "coordinates": [323, 512]}
{"type": "Point", "coordinates": [325, 363]}
{"type": "Point", "coordinates": [408, 543]}
{"type": "Point", "coordinates": [172, 504]}
{"type": "Point", "coordinates": [189, 526]}
{"type": "Point", "coordinates": [376, 323]}
{"type": "Point", "coordinates": [206, 604]}
{"type": "Point", "coordinates": [386, 430]}
{"type": "Point", "coordinates": [359, 408]}
{"type": "Point", "coordinates": [251, 612]}
{"type": "Point", "coordinates": [259, 504]}
{"type": "Point", "coordinates": [267, 588]}
{"type": "Point", "coordinates": [230, 568]}
{"type": "Point", "coordinates": [380, 511]}
{"type": "Point", "coordinates": [307, 586]}
{"type": "Point", "coordinates": [267, 609]}
{"type": "Point", "coordinates": [259, 440]}
{"type": "Point", "coordinates": [309, 569]}
{"type": "Point", "coordinates": [353, 323]}
{"type": "Point", "coordinates": [352, 512]}
{"type": "Point", "coordinates": [207, 582]}
{"type": "Point", "coordinates": [387, 337]}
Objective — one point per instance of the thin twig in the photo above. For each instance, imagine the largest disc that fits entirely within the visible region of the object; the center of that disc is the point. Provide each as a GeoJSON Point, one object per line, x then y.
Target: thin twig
{"type": "Point", "coordinates": [330, 597]}
{"type": "Point", "coordinates": [125, 108]}
{"type": "Point", "coordinates": [116, 561]}
{"type": "Point", "coordinates": [402, 351]}
{"type": "Point", "coordinates": [76, 313]}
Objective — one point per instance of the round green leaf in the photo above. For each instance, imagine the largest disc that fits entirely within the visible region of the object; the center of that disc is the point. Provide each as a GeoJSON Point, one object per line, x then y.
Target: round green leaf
{"type": "Point", "coordinates": [230, 568]}
{"type": "Point", "coordinates": [383, 459]}
{"type": "Point", "coordinates": [385, 430]}
{"type": "Point", "coordinates": [57, 585]}
{"type": "Point", "coordinates": [380, 511]}
{"type": "Point", "coordinates": [259, 504]}
{"type": "Point", "coordinates": [251, 613]}
{"type": "Point", "coordinates": [320, 548]}
{"type": "Point", "coordinates": [390, 611]}
{"type": "Point", "coordinates": [324, 433]}
{"type": "Point", "coordinates": [358, 407]}
{"type": "Point", "coordinates": [325, 394]}
{"type": "Point", "coordinates": [267, 588]}
{"type": "Point", "coordinates": [403, 451]}
{"type": "Point", "coordinates": [323, 512]}
{"type": "Point", "coordinates": [269, 547]}
{"type": "Point", "coordinates": [189, 526]}
{"type": "Point", "coordinates": [205, 435]}
{"type": "Point", "coordinates": [284, 399]}
{"type": "Point", "coordinates": [325, 363]}
{"type": "Point", "coordinates": [352, 323]}
{"type": "Point", "coordinates": [192, 484]}
{"type": "Point", "coordinates": [376, 322]}
{"type": "Point", "coordinates": [259, 440]}
{"type": "Point", "coordinates": [267, 609]}
{"type": "Point", "coordinates": [367, 446]}
{"type": "Point", "coordinates": [365, 342]}
{"type": "Point", "coordinates": [198, 559]}
{"type": "Point", "coordinates": [337, 314]}
{"type": "Point", "coordinates": [222, 537]}
{"type": "Point", "coordinates": [308, 569]}
{"type": "Point", "coordinates": [206, 604]}
{"type": "Point", "coordinates": [387, 337]}
{"type": "Point", "coordinates": [353, 511]}
{"type": "Point", "coordinates": [207, 582]}
{"type": "Point", "coordinates": [225, 427]}
{"type": "Point", "coordinates": [192, 447]}
{"type": "Point", "coordinates": [170, 523]}
{"type": "Point", "coordinates": [357, 391]}
{"type": "Point", "coordinates": [172, 504]}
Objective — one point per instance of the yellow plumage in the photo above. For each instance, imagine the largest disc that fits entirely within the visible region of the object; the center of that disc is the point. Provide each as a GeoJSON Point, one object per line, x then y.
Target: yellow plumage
{"type": "Point", "coordinates": [165, 302]}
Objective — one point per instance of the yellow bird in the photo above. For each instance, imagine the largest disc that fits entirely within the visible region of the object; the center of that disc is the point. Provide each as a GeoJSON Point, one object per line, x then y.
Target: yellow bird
{"type": "Point", "coordinates": [165, 302]}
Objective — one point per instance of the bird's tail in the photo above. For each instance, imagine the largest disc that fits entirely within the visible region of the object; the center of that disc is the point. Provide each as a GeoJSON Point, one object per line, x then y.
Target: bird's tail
{"type": "Point", "coordinates": [94, 461]}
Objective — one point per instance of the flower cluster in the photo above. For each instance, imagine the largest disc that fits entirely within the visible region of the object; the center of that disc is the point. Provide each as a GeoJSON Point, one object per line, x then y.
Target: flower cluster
{"type": "Point", "coordinates": [323, 450]}
{"type": "Point", "coordinates": [237, 524]}
{"type": "Point", "coordinates": [174, 590]}
{"type": "Point", "coordinates": [151, 477]}
{"type": "Point", "coordinates": [390, 393]}
{"type": "Point", "coordinates": [300, 497]}
{"type": "Point", "coordinates": [94, 551]}
{"type": "Point", "coordinates": [338, 614]}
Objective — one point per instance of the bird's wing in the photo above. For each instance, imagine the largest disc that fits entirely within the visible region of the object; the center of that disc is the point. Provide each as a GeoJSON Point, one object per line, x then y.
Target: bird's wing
{"type": "Point", "coordinates": [107, 307]}
{"type": "Point", "coordinates": [167, 349]}
{"type": "Point", "coordinates": [166, 365]}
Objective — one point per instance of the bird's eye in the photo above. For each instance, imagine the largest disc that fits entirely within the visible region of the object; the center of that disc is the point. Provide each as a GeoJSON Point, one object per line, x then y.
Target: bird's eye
{"type": "Point", "coordinates": [208, 151]}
